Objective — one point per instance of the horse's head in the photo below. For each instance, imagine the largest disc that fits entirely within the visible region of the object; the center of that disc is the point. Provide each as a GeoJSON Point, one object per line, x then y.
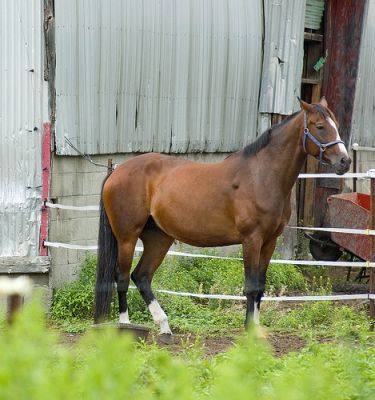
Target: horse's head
{"type": "Point", "coordinates": [321, 138]}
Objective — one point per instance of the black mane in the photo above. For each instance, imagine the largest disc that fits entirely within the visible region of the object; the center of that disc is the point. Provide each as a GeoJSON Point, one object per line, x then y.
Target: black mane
{"type": "Point", "coordinates": [264, 139]}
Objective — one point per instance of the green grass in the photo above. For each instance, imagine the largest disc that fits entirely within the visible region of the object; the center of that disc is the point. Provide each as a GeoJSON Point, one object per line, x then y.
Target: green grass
{"type": "Point", "coordinates": [72, 306]}
{"type": "Point", "coordinates": [314, 320]}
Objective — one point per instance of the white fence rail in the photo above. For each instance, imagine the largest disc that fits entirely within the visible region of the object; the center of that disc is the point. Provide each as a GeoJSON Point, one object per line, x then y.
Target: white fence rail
{"type": "Point", "coordinates": [364, 264]}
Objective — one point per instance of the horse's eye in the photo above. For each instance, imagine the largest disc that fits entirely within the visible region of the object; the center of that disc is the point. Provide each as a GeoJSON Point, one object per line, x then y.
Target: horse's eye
{"type": "Point", "coordinates": [320, 127]}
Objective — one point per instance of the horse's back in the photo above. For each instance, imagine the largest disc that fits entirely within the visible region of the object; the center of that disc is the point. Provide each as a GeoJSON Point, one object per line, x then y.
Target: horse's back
{"type": "Point", "coordinates": [139, 176]}
{"type": "Point", "coordinates": [172, 190]}
{"type": "Point", "coordinates": [150, 163]}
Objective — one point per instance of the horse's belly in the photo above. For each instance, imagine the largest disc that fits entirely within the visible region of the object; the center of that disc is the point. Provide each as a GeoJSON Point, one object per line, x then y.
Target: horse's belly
{"type": "Point", "coordinates": [200, 240]}
{"type": "Point", "coordinates": [197, 229]}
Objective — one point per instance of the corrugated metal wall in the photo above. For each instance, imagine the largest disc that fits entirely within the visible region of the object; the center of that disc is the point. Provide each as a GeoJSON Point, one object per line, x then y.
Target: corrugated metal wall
{"type": "Point", "coordinates": [157, 75]}
{"type": "Point", "coordinates": [363, 118]}
{"type": "Point", "coordinates": [21, 89]}
{"type": "Point", "coordinates": [173, 75]}
{"type": "Point", "coordinates": [283, 56]}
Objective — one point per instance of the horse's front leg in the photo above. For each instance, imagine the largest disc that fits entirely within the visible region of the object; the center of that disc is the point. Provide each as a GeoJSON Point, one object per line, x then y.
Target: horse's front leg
{"type": "Point", "coordinates": [254, 284]}
{"type": "Point", "coordinates": [257, 256]}
{"type": "Point", "coordinates": [265, 258]}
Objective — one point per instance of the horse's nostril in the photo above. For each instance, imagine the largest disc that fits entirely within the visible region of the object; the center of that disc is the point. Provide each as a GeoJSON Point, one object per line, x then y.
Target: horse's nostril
{"type": "Point", "coordinates": [345, 161]}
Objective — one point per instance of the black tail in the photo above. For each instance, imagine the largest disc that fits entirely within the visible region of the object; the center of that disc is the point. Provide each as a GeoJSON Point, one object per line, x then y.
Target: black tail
{"type": "Point", "coordinates": [107, 265]}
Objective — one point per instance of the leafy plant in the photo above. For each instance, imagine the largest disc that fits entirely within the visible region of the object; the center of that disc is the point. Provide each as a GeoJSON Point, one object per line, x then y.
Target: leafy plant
{"type": "Point", "coordinates": [316, 319]}
{"type": "Point", "coordinates": [284, 278]}
{"type": "Point", "coordinates": [75, 301]}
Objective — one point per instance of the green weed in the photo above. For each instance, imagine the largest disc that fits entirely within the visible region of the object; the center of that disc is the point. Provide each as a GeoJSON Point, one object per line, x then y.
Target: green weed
{"type": "Point", "coordinates": [316, 319]}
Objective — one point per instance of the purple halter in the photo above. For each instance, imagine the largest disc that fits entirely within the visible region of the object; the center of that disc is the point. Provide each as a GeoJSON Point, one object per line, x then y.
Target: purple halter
{"type": "Point", "coordinates": [322, 146]}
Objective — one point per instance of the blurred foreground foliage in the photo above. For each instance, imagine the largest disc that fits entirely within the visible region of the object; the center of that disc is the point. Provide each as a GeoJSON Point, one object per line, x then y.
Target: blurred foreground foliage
{"type": "Point", "coordinates": [37, 364]}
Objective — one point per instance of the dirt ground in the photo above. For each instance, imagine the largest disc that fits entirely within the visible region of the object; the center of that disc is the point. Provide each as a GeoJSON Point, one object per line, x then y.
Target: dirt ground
{"type": "Point", "coordinates": [281, 342]}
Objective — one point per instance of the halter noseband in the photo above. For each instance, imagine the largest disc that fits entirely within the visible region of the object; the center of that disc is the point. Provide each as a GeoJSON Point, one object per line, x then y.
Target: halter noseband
{"type": "Point", "coordinates": [322, 146]}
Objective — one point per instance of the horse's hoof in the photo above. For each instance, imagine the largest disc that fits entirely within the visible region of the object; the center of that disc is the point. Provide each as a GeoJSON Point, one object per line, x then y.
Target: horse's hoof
{"type": "Point", "coordinates": [261, 332]}
{"type": "Point", "coordinates": [165, 338]}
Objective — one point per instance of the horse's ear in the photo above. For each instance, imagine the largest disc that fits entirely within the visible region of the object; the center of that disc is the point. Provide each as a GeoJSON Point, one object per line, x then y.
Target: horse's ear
{"type": "Point", "coordinates": [305, 106]}
{"type": "Point", "coordinates": [323, 102]}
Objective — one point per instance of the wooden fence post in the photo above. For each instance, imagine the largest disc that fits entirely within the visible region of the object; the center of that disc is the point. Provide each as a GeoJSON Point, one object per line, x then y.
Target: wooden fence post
{"type": "Point", "coordinates": [110, 166]}
{"type": "Point", "coordinates": [372, 254]}
{"type": "Point", "coordinates": [14, 303]}
{"type": "Point", "coordinates": [15, 290]}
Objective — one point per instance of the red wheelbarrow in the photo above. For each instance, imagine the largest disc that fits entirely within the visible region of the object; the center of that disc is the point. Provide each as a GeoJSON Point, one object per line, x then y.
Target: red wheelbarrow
{"type": "Point", "coordinates": [347, 210]}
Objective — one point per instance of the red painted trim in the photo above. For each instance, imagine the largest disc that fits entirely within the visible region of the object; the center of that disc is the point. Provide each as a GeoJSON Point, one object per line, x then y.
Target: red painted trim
{"type": "Point", "coordinates": [46, 167]}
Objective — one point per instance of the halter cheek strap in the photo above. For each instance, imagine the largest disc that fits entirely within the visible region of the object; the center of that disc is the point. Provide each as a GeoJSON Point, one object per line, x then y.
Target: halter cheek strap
{"type": "Point", "coordinates": [322, 146]}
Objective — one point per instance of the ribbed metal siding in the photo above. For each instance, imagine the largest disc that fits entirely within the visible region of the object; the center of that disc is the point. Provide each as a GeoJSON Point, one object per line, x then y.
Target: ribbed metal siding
{"type": "Point", "coordinates": [21, 87]}
{"type": "Point", "coordinates": [363, 119]}
{"type": "Point", "coordinates": [157, 75]}
{"type": "Point", "coordinates": [314, 14]}
{"type": "Point", "coordinates": [283, 56]}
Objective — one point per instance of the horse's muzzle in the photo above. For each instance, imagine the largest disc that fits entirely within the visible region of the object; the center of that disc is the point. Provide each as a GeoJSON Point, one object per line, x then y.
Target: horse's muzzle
{"type": "Point", "coordinates": [343, 165]}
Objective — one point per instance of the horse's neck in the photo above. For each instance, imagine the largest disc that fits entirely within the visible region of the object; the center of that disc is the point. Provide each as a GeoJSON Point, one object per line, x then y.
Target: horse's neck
{"type": "Point", "coordinates": [285, 152]}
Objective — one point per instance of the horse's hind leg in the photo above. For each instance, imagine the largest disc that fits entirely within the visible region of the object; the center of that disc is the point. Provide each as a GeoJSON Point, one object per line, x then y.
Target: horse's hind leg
{"type": "Point", "coordinates": [122, 289]}
{"type": "Point", "coordinates": [125, 257]}
{"type": "Point", "coordinates": [156, 245]}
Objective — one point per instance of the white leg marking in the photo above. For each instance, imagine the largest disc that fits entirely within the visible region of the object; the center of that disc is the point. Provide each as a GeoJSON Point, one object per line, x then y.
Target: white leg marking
{"type": "Point", "coordinates": [159, 317]}
{"type": "Point", "coordinates": [124, 318]}
{"type": "Point", "coordinates": [256, 314]}
{"type": "Point", "coordinates": [341, 146]}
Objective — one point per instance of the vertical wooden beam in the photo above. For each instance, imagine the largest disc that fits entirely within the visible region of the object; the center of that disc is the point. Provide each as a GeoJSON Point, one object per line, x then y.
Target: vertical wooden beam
{"type": "Point", "coordinates": [308, 210]}
{"type": "Point", "coordinates": [109, 167]}
{"type": "Point", "coordinates": [46, 166]}
{"type": "Point", "coordinates": [311, 168]}
{"type": "Point", "coordinates": [50, 56]}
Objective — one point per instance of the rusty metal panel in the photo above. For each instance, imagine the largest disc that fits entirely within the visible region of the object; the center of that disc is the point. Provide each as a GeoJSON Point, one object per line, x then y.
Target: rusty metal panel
{"type": "Point", "coordinates": [157, 75]}
{"type": "Point", "coordinates": [283, 56]}
{"type": "Point", "coordinates": [363, 120]}
{"type": "Point", "coordinates": [22, 108]}
{"type": "Point", "coordinates": [351, 210]}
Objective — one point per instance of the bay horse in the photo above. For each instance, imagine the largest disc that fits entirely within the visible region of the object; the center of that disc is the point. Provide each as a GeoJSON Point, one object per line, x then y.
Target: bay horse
{"type": "Point", "coordinates": [244, 199]}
